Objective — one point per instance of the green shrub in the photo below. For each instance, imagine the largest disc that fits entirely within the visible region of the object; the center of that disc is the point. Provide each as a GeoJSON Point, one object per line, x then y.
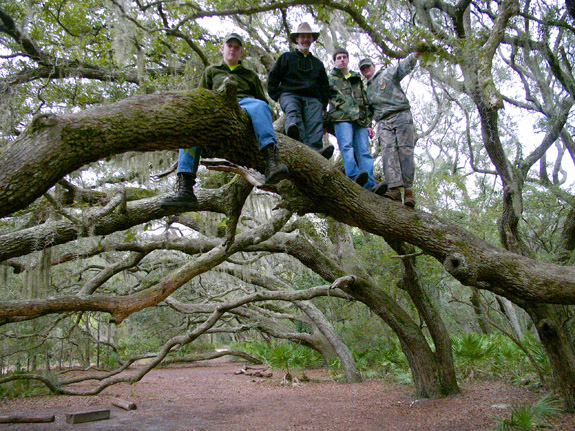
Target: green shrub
{"type": "Point", "coordinates": [472, 353]}
{"type": "Point", "coordinates": [283, 355]}
{"type": "Point", "coordinates": [528, 417]}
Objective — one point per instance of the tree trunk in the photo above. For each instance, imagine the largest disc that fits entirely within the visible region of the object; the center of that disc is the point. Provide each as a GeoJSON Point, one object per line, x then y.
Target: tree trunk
{"type": "Point", "coordinates": [87, 360]}
{"type": "Point", "coordinates": [338, 346]}
{"type": "Point", "coordinates": [558, 344]}
{"type": "Point", "coordinates": [511, 315]}
{"type": "Point", "coordinates": [435, 325]}
{"type": "Point", "coordinates": [480, 311]}
{"type": "Point", "coordinates": [557, 341]}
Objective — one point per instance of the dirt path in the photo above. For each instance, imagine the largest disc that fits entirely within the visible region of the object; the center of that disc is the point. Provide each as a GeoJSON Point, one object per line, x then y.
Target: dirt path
{"type": "Point", "coordinates": [211, 397]}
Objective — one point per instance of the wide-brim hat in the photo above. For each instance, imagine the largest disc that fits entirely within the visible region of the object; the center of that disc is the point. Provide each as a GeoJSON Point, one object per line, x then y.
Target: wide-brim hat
{"type": "Point", "coordinates": [304, 27]}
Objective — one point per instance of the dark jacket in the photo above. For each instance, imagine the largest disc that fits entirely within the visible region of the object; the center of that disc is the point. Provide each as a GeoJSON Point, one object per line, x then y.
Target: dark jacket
{"type": "Point", "coordinates": [384, 90]}
{"type": "Point", "coordinates": [249, 85]}
{"type": "Point", "coordinates": [348, 99]}
{"type": "Point", "coordinates": [299, 74]}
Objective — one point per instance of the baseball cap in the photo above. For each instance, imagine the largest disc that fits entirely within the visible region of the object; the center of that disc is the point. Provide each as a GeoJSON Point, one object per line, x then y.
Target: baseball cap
{"type": "Point", "coordinates": [236, 36]}
{"type": "Point", "coordinates": [365, 62]}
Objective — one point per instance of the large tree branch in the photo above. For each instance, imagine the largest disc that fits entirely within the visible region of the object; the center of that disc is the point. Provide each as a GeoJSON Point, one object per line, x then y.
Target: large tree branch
{"type": "Point", "coordinates": [153, 122]}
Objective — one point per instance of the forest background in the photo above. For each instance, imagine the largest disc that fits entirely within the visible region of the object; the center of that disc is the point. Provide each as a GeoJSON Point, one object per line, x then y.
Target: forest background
{"type": "Point", "coordinates": [477, 280]}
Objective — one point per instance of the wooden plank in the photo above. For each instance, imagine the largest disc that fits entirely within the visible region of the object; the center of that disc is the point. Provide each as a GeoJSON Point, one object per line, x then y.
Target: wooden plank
{"type": "Point", "coordinates": [126, 405]}
{"type": "Point", "coordinates": [20, 419]}
{"type": "Point", "coordinates": [90, 416]}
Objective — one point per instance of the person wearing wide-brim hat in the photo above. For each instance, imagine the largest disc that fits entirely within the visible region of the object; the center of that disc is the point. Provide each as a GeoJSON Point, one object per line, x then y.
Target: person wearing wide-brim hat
{"type": "Point", "coordinates": [298, 81]}
{"type": "Point", "coordinates": [303, 28]}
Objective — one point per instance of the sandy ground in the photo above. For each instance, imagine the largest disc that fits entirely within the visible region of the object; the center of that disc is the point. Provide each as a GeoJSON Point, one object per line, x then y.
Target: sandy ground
{"type": "Point", "coordinates": [210, 396]}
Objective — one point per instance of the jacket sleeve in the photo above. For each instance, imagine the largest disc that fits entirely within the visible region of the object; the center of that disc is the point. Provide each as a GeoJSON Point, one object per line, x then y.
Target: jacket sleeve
{"type": "Point", "coordinates": [324, 87]}
{"type": "Point", "coordinates": [274, 79]}
{"type": "Point", "coordinates": [405, 66]}
{"type": "Point", "coordinates": [369, 108]}
{"type": "Point", "coordinates": [206, 79]}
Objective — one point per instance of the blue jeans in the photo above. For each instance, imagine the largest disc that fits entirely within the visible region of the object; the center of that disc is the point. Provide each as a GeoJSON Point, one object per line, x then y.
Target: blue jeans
{"type": "Point", "coordinates": [261, 116]}
{"type": "Point", "coordinates": [353, 142]}
{"type": "Point", "coordinates": [306, 113]}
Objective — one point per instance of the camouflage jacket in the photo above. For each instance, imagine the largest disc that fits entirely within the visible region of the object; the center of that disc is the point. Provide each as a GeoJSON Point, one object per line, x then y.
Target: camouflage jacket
{"type": "Point", "coordinates": [348, 99]}
{"type": "Point", "coordinates": [384, 90]}
{"type": "Point", "coordinates": [249, 84]}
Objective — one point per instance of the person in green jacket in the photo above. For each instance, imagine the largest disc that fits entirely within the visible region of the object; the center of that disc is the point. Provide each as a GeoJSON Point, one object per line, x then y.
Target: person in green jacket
{"type": "Point", "coordinates": [251, 97]}
{"type": "Point", "coordinates": [350, 114]}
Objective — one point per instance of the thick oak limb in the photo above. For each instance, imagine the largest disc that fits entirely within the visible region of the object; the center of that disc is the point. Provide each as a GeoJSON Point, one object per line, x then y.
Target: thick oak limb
{"type": "Point", "coordinates": [470, 259]}
{"type": "Point", "coordinates": [54, 146]}
{"type": "Point", "coordinates": [213, 355]}
{"type": "Point", "coordinates": [223, 129]}
{"type": "Point", "coordinates": [334, 265]}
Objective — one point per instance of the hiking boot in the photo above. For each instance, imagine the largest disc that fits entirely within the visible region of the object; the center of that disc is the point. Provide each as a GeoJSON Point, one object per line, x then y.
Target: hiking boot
{"type": "Point", "coordinates": [327, 152]}
{"type": "Point", "coordinates": [394, 194]}
{"type": "Point", "coordinates": [380, 189]}
{"type": "Point", "coordinates": [408, 199]}
{"type": "Point", "coordinates": [275, 170]}
{"type": "Point", "coordinates": [184, 198]}
{"type": "Point", "coordinates": [361, 178]}
{"type": "Point", "coordinates": [293, 131]}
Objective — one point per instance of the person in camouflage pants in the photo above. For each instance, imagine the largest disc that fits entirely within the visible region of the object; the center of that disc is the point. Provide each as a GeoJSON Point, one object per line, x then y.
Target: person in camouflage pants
{"type": "Point", "coordinates": [350, 114]}
{"type": "Point", "coordinates": [395, 128]}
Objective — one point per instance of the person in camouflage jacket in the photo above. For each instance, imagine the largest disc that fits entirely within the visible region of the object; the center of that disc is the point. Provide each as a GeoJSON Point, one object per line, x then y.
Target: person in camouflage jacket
{"type": "Point", "coordinates": [395, 128]}
{"type": "Point", "coordinates": [350, 114]}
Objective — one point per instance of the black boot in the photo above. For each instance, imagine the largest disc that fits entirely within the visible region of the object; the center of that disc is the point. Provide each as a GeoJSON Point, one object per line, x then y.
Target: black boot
{"type": "Point", "coordinates": [293, 131]}
{"type": "Point", "coordinates": [380, 189]}
{"type": "Point", "coordinates": [184, 197]}
{"type": "Point", "coordinates": [361, 178]}
{"type": "Point", "coordinates": [327, 151]}
{"type": "Point", "coordinates": [275, 170]}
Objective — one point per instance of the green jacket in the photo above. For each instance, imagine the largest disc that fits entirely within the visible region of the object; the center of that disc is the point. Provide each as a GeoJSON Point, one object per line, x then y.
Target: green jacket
{"type": "Point", "coordinates": [249, 85]}
{"type": "Point", "coordinates": [348, 99]}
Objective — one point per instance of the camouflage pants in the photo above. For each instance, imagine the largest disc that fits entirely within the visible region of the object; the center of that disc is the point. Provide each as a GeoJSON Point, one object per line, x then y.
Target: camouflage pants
{"type": "Point", "coordinates": [396, 136]}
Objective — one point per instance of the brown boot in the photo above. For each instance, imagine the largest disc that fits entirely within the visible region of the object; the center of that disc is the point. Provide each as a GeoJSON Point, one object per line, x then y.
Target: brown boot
{"type": "Point", "coordinates": [408, 199]}
{"type": "Point", "coordinates": [394, 194]}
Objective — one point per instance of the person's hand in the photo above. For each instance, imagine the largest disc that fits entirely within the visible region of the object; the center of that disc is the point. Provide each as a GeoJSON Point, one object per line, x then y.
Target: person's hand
{"type": "Point", "coordinates": [370, 132]}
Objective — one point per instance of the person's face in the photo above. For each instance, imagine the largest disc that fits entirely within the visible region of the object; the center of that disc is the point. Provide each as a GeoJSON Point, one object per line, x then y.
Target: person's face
{"type": "Point", "coordinates": [304, 41]}
{"type": "Point", "coordinates": [368, 71]}
{"type": "Point", "coordinates": [341, 61]}
{"type": "Point", "coordinates": [232, 52]}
